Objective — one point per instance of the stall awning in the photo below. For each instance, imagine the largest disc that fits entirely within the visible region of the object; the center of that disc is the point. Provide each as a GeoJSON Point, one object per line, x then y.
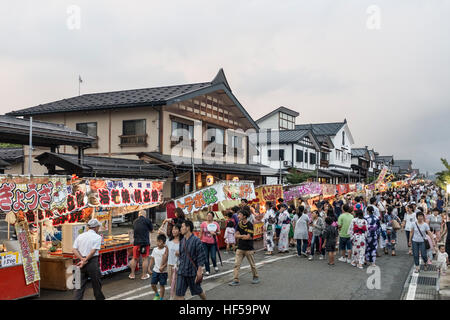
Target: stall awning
{"type": "Point", "coordinates": [345, 173]}
{"type": "Point", "coordinates": [101, 166]}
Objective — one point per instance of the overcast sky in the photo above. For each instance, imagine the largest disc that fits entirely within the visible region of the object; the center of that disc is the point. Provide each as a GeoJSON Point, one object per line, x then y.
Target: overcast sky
{"type": "Point", "coordinates": [383, 65]}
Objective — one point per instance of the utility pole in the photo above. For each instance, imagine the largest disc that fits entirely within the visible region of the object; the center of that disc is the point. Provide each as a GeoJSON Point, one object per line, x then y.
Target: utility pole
{"type": "Point", "coordinates": [30, 152]}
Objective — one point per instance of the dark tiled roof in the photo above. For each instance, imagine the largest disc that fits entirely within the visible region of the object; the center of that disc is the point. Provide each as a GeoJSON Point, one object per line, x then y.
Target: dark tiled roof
{"type": "Point", "coordinates": [359, 152]}
{"type": "Point", "coordinates": [158, 96]}
{"type": "Point", "coordinates": [384, 159]}
{"type": "Point", "coordinates": [185, 163]}
{"type": "Point", "coordinates": [105, 100]}
{"type": "Point", "coordinates": [11, 155]}
{"type": "Point", "coordinates": [280, 109]}
{"type": "Point", "coordinates": [329, 129]}
{"type": "Point", "coordinates": [292, 136]}
{"type": "Point", "coordinates": [103, 166]}
{"type": "Point", "coordinates": [403, 164]}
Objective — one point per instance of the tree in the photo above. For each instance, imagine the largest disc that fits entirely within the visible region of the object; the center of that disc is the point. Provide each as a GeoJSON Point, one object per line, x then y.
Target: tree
{"type": "Point", "coordinates": [295, 177]}
{"type": "Point", "coordinates": [443, 177]}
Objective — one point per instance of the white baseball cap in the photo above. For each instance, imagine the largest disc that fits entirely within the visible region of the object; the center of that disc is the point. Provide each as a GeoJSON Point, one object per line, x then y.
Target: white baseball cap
{"type": "Point", "coordinates": [94, 223]}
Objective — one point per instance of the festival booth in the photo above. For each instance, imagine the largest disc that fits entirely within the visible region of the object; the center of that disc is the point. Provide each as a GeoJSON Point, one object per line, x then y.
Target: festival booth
{"type": "Point", "coordinates": [262, 195]}
{"type": "Point", "coordinates": [308, 191]}
{"type": "Point", "coordinates": [102, 199]}
{"type": "Point", "coordinates": [217, 197]}
{"type": "Point", "coordinates": [24, 200]}
{"type": "Point", "coordinates": [57, 210]}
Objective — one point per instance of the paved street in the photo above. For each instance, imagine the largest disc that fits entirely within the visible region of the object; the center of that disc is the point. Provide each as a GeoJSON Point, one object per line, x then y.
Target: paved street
{"type": "Point", "coordinates": [283, 276]}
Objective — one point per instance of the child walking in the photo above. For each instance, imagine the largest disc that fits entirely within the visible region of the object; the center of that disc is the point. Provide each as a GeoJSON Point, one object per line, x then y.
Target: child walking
{"type": "Point", "coordinates": [159, 272]}
{"type": "Point", "coordinates": [229, 237]}
{"type": "Point", "coordinates": [330, 235]}
{"type": "Point", "coordinates": [442, 259]}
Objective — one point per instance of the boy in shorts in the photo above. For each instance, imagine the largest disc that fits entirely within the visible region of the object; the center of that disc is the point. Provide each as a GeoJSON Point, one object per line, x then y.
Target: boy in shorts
{"type": "Point", "coordinates": [330, 235]}
{"type": "Point", "coordinates": [159, 257]}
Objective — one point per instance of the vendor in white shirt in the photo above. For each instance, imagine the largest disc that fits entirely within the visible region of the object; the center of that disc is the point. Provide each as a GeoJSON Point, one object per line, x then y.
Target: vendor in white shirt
{"type": "Point", "coordinates": [85, 248]}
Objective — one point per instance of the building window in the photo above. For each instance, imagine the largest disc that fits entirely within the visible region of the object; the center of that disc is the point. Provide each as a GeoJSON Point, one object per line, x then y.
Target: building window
{"type": "Point", "coordinates": [286, 122]}
{"type": "Point", "coordinates": [343, 138]}
{"type": "Point", "coordinates": [134, 133]}
{"type": "Point", "coordinates": [299, 155]}
{"type": "Point", "coordinates": [215, 134]}
{"type": "Point", "coordinates": [89, 128]}
{"type": "Point", "coordinates": [275, 155]}
{"type": "Point", "coordinates": [312, 158]}
{"type": "Point", "coordinates": [236, 146]}
{"type": "Point", "coordinates": [182, 131]}
{"type": "Point", "coordinates": [306, 156]}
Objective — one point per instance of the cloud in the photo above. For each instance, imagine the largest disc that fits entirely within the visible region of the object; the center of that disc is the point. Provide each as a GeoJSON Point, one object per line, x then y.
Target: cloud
{"type": "Point", "coordinates": [318, 58]}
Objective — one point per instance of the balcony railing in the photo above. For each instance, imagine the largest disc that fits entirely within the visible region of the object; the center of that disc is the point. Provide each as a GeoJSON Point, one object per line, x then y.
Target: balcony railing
{"type": "Point", "coordinates": [324, 163]}
{"type": "Point", "coordinates": [133, 141]}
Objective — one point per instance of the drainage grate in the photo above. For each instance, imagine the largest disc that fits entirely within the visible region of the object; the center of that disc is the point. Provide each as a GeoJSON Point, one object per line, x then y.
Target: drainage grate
{"type": "Point", "coordinates": [426, 281]}
{"type": "Point", "coordinates": [430, 267]}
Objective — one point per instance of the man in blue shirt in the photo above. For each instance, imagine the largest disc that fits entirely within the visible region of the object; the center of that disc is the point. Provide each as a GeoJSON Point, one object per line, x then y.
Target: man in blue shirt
{"type": "Point", "coordinates": [440, 204]}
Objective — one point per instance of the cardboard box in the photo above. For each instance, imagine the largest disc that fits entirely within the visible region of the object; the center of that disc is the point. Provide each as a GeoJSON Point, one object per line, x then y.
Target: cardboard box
{"type": "Point", "coordinates": [69, 233]}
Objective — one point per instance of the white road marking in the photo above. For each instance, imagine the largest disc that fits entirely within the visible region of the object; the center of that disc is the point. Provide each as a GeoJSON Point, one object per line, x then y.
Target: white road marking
{"type": "Point", "coordinates": [212, 276]}
{"type": "Point", "coordinates": [230, 260]}
{"type": "Point", "coordinates": [412, 286]}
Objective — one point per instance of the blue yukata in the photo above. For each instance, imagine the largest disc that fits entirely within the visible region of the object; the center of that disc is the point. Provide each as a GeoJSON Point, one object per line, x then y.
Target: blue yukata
{"type": "Point", "coordinates": [373, 234]}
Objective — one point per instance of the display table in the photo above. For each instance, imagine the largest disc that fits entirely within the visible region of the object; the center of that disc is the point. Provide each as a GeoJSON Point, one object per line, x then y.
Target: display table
{"type": "Point", "coordinates": [58, 266]}
{"type": "Point", "coordinates": [12, 278]}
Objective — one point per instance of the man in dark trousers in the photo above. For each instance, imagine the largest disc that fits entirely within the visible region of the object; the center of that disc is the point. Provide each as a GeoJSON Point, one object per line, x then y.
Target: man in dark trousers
{"type": "Point", "coordinates": [142, 227]}
{"type": "Point", "coordinates": [85, 248]}
{"type": "Point", "coordinates": [192, 260]}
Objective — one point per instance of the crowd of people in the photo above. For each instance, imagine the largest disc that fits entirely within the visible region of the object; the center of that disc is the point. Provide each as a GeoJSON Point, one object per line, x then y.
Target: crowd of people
{"type": "Point", "coordinates": [360, 228]}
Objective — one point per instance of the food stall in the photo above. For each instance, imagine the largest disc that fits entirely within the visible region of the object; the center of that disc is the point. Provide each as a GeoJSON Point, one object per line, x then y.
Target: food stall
{"type": "Point", "coordinates": [24, 203]}
{"type": "Point", "coordinates": [101, 199]}
{"type": "Point", "coordinates": [19, 266]}
{"type": "Point", "coordinates": [80, 200]}
{"type": "Point", "coordinates": [217, 197]}
{"type": "Point", "coordinates": [308, 191]}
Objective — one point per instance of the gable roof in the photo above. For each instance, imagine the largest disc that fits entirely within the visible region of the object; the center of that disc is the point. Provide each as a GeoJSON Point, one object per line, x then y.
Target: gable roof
{"type": "Point", "coordinates": [330, 128]}
{"type": "Point", "coordinates": [359, 152]}
{"type": "Point", "coordinates": [158, 96]}
{"type": "Point", "coordinates": [279, 109]}
{"type": "Point", "coordinates": [384, 159]}
{"type": "Point", "coordinates": [288, 137]}
{"type": "Point", "coordinates": [403, 164]}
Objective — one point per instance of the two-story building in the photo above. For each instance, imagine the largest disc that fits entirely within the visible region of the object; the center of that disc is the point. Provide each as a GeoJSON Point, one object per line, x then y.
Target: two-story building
{"type": "Point", "coordinates": [340, 157]}
{"type": "Point", "coordinates": [198, 132]}
{"type": "Point", "coordinates": [329, 147]}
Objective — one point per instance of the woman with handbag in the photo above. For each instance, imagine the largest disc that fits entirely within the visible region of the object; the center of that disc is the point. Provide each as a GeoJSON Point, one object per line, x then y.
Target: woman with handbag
{"type": "Point", "coordinates": [418, 241]}
{"type": "Point", "coordinates": [392, 222]}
